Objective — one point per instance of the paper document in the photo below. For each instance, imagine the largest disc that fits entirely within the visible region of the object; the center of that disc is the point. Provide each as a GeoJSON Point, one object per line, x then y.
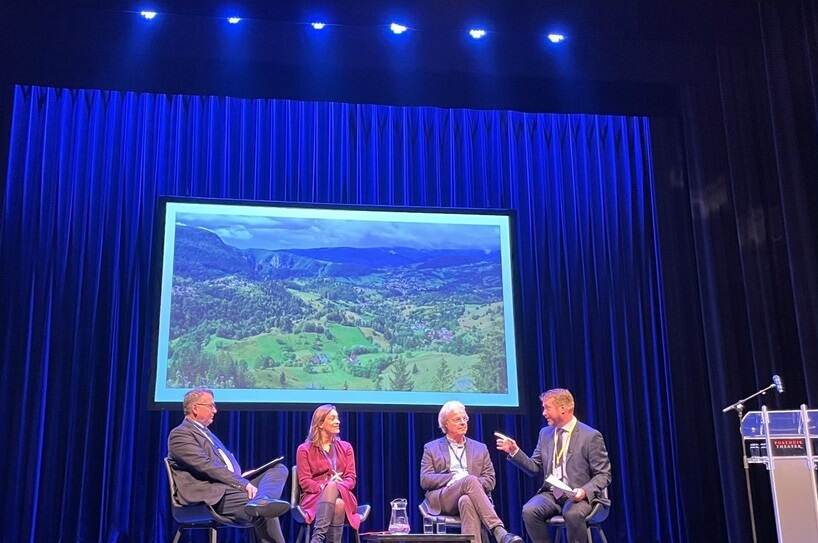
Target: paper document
{"type": "Point", "coordinates": [556, 483]}
{"type": "Point", "coordinates": [250, 473]}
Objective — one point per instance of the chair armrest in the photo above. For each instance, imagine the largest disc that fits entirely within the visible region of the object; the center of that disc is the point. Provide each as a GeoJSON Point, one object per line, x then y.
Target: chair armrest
{"type": "Point", "coordinates": [364, 511]}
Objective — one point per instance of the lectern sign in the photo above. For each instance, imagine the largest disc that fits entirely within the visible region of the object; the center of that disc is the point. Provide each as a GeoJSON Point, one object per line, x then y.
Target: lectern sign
{"type": "Point", "coordinates": [789, 447]}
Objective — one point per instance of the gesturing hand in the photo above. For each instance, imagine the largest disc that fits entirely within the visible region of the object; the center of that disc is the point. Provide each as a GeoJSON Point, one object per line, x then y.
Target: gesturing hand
{"type": "Point", "coordinates": [251, 491]}
{"type": "Point", "coordinates": [507, 445]}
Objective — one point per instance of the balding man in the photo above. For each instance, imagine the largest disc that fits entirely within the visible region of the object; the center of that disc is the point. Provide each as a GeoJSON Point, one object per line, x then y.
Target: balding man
{"type": "Point", "coordinates": [570, 451]}
{"type": "Point", "coordinates": [205, 471]}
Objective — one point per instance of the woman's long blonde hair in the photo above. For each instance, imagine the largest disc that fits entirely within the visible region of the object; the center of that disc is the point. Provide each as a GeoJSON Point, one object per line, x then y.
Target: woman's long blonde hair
{"type": "Point", "coordinates": [318, 417]}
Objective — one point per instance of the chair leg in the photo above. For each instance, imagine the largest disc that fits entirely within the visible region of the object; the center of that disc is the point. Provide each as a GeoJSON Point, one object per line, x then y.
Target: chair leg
{"type": "Point", "coordinates": [214, 535]}
{"type": "Point", "coordinates": [560, 535]}
{"type": "Point", "coordinates": [601, 533]}
{"type": "Point", "coordinates": [303, 534]}
{"type": "Point", "coordinates": [177, 536]}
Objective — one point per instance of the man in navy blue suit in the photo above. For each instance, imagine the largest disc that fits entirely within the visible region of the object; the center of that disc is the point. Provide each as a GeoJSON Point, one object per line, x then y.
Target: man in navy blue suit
{"type": "Point", "coordinates": [567, 450]}
{"type": "Point", "coordinates": [205, 471]}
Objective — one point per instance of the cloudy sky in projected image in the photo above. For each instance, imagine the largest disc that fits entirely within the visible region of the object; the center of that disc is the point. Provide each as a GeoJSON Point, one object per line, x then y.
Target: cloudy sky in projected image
{"type": "Point", "coordinates": [254, 232]}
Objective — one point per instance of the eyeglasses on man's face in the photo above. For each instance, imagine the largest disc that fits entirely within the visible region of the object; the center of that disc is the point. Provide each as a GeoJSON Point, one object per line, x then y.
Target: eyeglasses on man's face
{"type": "Point", "coordinates": [211, 406]}
{"type": "Point", "coordinates": [458, 420]}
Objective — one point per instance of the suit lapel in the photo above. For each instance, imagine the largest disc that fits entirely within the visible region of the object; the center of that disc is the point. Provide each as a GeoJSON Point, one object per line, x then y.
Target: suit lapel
{"type": "Point", "coordinates": [548, 451]}
{"type": "Point", "coordinates": [201, 435]}
{"type": "Point", "coordinates": [443, 445]}
{"type": "Point", "coordinates": [576, 437]}
{"type": "Point", "coordinates": [471, 458]}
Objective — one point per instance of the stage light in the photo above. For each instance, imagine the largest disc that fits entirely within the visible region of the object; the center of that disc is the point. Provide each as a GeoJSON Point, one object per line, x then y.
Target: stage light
{"type": "Point", "coordinates": [477, 33]}
{"type": "Point", "coordinates": [149, 15]}
{"type": "Point", "coordinates": [234, 20]}
{"type": "Point", "coordinates": [318, 25]}
{"type": "Point", "coordinates": [556, 38]}
{"type": "Point", "coordinates": [397, 28]}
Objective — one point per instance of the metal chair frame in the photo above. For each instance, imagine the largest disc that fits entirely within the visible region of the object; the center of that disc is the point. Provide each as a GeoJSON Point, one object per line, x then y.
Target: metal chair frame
{"type": "Point", "coordinates": [593, 521]}
{"type": "Point", "coordinates": [197, 516]}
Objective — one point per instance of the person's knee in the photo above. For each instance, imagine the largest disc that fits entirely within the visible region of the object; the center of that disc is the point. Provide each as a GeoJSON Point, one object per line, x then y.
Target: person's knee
{"type": "Point", "coordinates": [330, 492]}
{"type": "Point", "coordinates": [280, 471]}
{"type": "Point", "coordinates": [275, 475]}
{"type": "Point", "coordinates": [464, 504]}
{"type": "Point", "coordinates": [532, 513]}
{"type": "Point", "coordinates": [573, 515]}
{"type": "Point", "coordinates": [339, 505]}
{"type": "Point", "coordinates": [330, 489]}
{"type": "Point", "coordinates": [471, 483]}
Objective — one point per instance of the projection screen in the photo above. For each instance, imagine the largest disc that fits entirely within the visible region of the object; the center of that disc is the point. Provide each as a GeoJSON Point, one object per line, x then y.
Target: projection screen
{"type": "Point", "coordinates": [295, 305]}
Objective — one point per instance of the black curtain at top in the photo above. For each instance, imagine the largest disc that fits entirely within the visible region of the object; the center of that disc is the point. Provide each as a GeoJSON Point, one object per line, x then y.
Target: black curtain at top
{"type": "Point", "coordinates": [83, 456]}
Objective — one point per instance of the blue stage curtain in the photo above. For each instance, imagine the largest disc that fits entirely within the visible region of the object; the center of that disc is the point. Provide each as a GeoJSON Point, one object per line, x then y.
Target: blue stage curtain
{"type": "Point", "coordinates": [82, 454]}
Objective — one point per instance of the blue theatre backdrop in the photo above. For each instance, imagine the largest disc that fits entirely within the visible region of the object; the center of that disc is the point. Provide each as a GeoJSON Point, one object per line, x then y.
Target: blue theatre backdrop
{"type": "Point", "coordinates": [86, 168]}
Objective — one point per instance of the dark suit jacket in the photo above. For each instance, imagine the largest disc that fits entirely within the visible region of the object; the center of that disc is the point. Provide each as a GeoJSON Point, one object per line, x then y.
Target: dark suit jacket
{"type": "Point", "coordinates": [199, 471]}
{"type": "Point", "coordinates": [434, 468]}
{"type": "Point", "coordinates": [586, 461]}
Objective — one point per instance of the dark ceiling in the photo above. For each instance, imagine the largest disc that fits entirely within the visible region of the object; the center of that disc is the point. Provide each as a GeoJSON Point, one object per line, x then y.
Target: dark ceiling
{"type": "Point", "coordinates": [627, 56]}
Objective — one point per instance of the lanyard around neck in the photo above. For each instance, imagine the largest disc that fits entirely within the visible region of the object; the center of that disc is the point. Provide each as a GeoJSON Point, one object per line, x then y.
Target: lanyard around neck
{"type": "Point", "coordinates": [458, 457]}
{"type": "Point", "coordinates": [559, 455]}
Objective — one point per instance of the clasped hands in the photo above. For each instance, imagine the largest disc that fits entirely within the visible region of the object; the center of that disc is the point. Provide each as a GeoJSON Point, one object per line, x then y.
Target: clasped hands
{"type": "Point", "coordinates": [456, 476]}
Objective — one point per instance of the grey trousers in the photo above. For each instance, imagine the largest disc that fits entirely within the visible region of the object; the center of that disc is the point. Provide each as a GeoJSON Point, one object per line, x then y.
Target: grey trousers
{"type": "Point", "coordinates": [467, 499]}
{"type": "Point", "coordinates": [543, 506]}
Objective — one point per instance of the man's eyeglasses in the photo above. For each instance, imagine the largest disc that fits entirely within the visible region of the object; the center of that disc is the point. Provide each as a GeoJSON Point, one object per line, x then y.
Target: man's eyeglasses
{"type": "Point", "coordinates": [458, 420]}
{"type": "Point", "coordinates": [208, 405]}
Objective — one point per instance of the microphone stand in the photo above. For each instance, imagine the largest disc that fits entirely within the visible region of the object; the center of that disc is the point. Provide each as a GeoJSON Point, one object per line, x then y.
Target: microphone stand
{"type": "Point", "coordinates": [738, 407]}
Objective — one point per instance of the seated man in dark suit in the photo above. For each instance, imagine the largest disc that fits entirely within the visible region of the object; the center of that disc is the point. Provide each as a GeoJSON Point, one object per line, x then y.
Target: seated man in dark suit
{"type": "Point", "coordinates": [570, 451]}
{"type": "Point", "coordinates": [205, 471]}
{"type": "Point", "coordinates": [457, 474]}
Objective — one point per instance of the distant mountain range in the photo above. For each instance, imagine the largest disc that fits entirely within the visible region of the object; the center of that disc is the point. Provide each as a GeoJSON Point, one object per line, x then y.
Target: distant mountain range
{"type": "Point", "coordinates": [201, 254]}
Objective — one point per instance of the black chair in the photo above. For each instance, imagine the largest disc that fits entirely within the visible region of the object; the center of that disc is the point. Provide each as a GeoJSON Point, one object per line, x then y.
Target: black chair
{"type": "Point", "coordinates": [197, 516]}
{"type": "Point", "coordinates": [298, 513]}
{"type": "Point", "coordinates": [594, 520]}
{"type": "Point", "coordinates": [452, 521]}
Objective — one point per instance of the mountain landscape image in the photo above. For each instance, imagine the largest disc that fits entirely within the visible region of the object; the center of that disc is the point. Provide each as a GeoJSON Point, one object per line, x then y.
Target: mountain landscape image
{"type": "Point", "coordinates": [249, 312]}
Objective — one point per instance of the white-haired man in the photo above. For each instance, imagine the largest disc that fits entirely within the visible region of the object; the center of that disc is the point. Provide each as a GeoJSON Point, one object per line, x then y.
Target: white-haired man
{"type": "Point", "coordinates": [205, 471]}
{"type": "Point", "coordinates": [457, 475]}
{"type": "Point", "coordinates": [570, 451]}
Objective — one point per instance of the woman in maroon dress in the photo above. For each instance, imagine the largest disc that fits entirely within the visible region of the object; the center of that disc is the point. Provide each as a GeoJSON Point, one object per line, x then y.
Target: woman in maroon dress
{"type": "Point", "coordinates": [326, 474]}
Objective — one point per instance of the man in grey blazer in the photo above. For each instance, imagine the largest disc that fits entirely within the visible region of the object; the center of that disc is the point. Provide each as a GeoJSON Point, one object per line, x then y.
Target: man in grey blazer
{"type": "Point", "coordinates": [572, 452]}
{"type": "Point", "coordinates": [457, 474]}
{"type": "Point", "coordinates": [205, 471]}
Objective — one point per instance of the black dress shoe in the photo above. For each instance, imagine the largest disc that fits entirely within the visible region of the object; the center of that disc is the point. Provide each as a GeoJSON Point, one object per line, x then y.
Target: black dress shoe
{"type": "Point", "coordinates": [262, 507]}
{"type": "Point", "coordinates": [511, 538]}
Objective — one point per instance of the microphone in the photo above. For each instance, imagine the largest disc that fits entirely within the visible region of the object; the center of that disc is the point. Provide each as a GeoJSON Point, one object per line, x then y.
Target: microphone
{"type": "Point", "coordinates": [779, 385]}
